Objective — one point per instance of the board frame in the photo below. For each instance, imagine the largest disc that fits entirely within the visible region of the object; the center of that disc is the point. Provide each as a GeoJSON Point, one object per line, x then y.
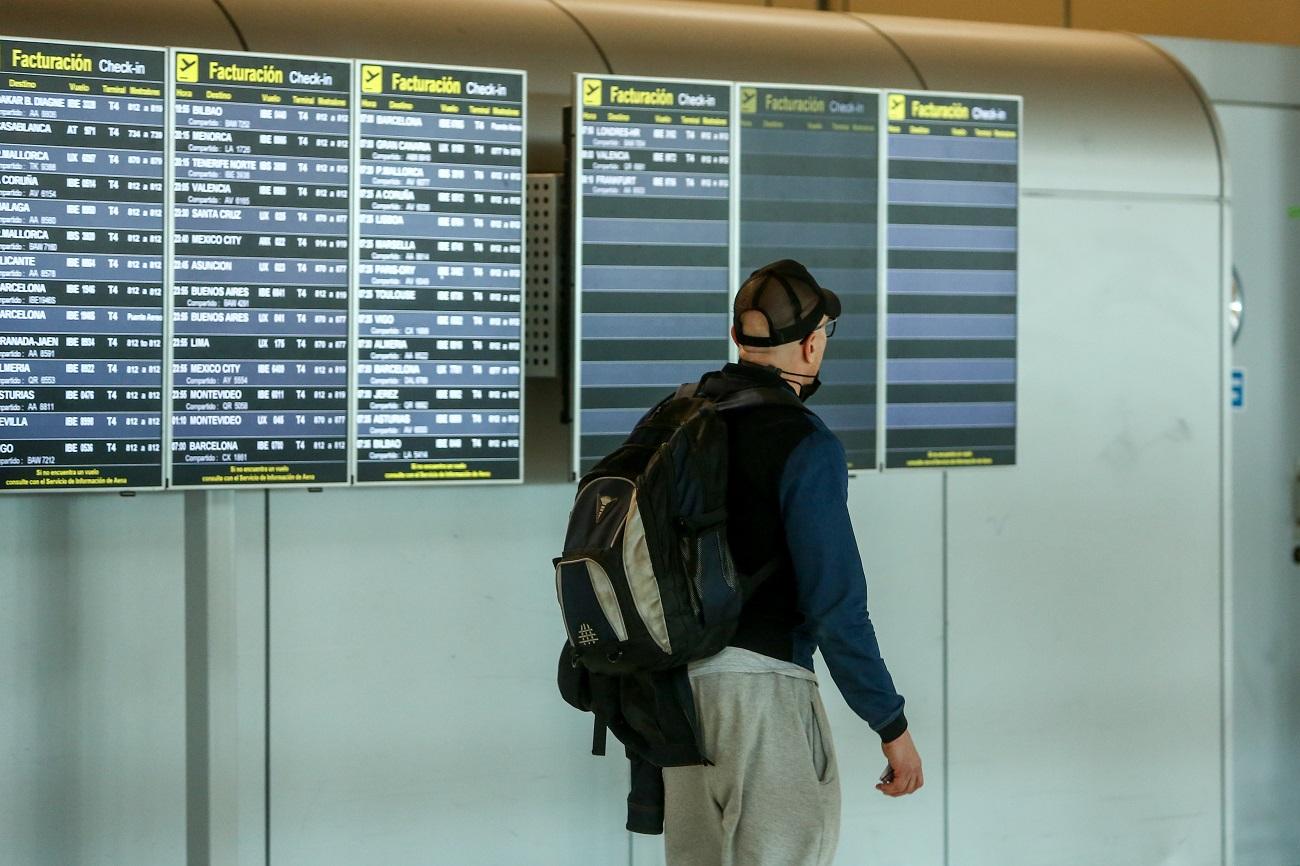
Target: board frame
{"type": "Point", "coordinates": [576, 175]}
{"type": "Point", "coordinates": [355, 300]}
{"type": "Point", "coordinates": [165, 384]}
{"type": "Point", "coordinates": [882, 440]}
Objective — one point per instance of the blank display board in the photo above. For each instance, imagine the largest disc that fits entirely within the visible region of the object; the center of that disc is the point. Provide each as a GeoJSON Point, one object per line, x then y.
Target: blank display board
{"type": "Point", "coordinates": [440, 294]}
{"type": "Point", "coordinates": [953, 168]}
{"type": "Point", "coordinates": [652, 204]}
{"type": "Point", "coordinates": [82, 142]}
{"type": "Point", "coordinates": [921, 371]}
{"type": "Point", "coordinates": [809, 163]}
{"type": "Point", "coordinates": [261, 269]}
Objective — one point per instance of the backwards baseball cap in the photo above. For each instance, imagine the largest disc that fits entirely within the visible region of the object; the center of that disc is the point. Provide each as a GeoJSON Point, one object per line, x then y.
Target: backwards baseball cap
{"type": "Point", "coordinates": [789, 298]}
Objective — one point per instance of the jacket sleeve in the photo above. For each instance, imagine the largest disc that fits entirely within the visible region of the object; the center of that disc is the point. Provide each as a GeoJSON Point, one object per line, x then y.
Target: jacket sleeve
{"type": "Point", "coordinates": [832, 588]}
{"type": "Point", "coordinates": [645, 799]}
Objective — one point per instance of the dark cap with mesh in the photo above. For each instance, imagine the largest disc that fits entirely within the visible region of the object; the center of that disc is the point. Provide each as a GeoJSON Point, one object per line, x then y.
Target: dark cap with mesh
{"type": "Point", "coordinates": [789, 298]}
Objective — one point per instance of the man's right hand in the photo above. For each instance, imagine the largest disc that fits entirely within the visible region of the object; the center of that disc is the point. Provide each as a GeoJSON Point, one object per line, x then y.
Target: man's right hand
{"type": "Point", "coordinates": [906, 764]}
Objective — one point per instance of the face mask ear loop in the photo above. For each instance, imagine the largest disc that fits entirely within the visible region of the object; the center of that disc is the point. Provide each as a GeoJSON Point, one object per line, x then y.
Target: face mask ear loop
{"type": "Point", "coordinates": [806, 389]}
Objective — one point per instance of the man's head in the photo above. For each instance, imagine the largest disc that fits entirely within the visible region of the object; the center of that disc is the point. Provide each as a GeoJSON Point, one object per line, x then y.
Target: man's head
{"type": "Point", "coordinates": [781, 318]}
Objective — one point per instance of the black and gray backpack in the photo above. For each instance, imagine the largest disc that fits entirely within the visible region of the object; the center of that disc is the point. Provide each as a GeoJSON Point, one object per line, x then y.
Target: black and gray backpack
{"type": "Point", "coordinates": [646, 581]}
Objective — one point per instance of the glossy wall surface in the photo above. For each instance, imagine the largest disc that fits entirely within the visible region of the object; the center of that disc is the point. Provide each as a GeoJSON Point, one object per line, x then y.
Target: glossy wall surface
{"type": "Point", "coordinates": [1256, 94]}
{"type": "Point", "coordinates": [368, 675]}
{"type": "Point", "coordinates": [93, 680]}
{"type": "Point", "coordinates": [514, 34]}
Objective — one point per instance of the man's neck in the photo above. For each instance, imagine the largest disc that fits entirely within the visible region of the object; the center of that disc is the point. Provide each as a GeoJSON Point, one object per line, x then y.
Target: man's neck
{"type": "Point", "coordinates": [766, 364]}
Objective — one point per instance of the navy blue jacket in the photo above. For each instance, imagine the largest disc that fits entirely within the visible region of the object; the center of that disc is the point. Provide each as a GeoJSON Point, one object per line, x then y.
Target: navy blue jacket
{"type": "Point", "coordinates": [788, 503]}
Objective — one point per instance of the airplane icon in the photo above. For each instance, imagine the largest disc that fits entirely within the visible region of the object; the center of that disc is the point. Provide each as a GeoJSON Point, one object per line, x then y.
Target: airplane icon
{"type": "Point", "coordinates": [372, 79]}
{"type": "Point", "coordinates": [187, 67]}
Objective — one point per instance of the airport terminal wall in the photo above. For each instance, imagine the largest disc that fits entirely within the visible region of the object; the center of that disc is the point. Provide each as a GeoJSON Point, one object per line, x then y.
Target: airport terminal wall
{"type": "Point", "coordinates": [367, 675]}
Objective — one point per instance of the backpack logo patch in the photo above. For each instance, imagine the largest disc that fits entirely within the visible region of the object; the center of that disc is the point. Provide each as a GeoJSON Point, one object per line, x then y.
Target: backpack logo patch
{"type": "Point", "coordinates": [601, 504]}
{"type": "Point", "coordinates": [586, 635]}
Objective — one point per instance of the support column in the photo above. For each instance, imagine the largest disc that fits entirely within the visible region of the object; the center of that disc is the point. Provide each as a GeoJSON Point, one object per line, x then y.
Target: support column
{"type": "Point", "coordinates": [226, 686]}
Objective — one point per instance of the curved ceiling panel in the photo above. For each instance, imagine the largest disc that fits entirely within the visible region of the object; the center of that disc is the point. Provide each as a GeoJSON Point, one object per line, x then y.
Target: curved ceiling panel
{"type": "Point", "coordinates": [521, 34]}
{"type": "Point", "coordinates": [195, 23]}
{"type": "Point", "coordinates": [1104, 112]}
{"type": "Point", "coordinates": [690, 40]}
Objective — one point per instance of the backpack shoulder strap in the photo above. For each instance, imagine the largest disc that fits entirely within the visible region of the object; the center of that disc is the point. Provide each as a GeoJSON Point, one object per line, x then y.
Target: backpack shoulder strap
{"type": "Point", "coordinates": [714, 387]}
{"type": "Point", "coordinates": [769, 568]}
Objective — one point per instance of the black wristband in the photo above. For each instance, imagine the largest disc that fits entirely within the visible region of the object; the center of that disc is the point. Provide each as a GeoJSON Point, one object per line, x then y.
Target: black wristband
{"type": "Point", "coordinates": [894, 729]}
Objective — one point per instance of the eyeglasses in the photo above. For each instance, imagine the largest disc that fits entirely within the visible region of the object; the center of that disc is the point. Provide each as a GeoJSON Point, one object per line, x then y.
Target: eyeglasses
{"type": "Point", "coordinates": [829, 327]}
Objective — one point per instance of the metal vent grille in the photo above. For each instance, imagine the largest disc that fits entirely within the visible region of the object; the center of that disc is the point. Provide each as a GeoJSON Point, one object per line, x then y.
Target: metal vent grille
{"type": "Point", "coordinates": [542, 272]}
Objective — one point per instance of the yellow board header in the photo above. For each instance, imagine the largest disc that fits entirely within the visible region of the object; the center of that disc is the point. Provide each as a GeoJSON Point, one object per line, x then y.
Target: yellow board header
{"type": "Point", "coordinates": [74, 61]}
{"type": "Point", "coordinates": [652, 94]}
{"type": "Point", "coordinates": [192, 68]}
{"type": "Point", "coordinates": [902, 106]}
{"type": "Point", "coordinates": [471, 84]}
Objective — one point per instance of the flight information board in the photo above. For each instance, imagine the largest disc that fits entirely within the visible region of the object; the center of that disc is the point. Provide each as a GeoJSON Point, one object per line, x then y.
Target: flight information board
{"type": "Point", "coordinates": [82, 138]}
{"type": "Point", "coordinates": [653, 209]}
{"type": "Point", "coordinates": [953, 199]}
{"type": "Point", "coordinates": [440, 274]}
{"type": "Point", "coordinates": [809, 166]}
{"type": "Point", "coordinates": [261, 269]}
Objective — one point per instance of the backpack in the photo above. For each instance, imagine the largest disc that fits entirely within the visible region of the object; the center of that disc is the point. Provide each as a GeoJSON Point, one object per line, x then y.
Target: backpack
{"type": "Point", "coordinates": [646, 581]}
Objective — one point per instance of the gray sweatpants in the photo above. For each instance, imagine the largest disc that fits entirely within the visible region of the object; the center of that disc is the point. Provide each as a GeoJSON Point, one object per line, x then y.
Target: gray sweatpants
{"type": "Point", "coordinates": [772, 796]}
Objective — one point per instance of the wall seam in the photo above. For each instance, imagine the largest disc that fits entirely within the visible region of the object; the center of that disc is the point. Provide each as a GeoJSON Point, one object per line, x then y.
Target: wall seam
{"type": "Point", "coordinates": [1226, 808]}
{"type": "Point", "coordinates": [198, 797]}
{"type": "Point", "coordinates": [230, 19]}
{"type": "Point", "coordinates": [1127, 195]}
{"type": "Point", "coordinates": [947, 840]}
{"type": "Point", "coordinates": [1207, 107]}
{"type": "Point", "coordinates": [901, 53]}
{"type": "Point", "coordinates": [609, 67]}
{"type": "Point", "coordinates": [266, 672]}
{"type": "Point", "coordinates": [1249, 103]}
{"type": "Point", "coordinates": [1226, 853]}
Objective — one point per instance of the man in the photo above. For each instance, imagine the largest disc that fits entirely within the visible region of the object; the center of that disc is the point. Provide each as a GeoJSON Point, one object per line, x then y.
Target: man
{"type": "Point", "coordinates": [771, 796]}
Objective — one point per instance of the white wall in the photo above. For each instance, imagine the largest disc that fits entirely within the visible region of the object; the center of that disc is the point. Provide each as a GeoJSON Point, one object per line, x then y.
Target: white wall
{"type": "Point", "coordinates": [413, 710]}
{"type": "Point", "coordinates": [1055, 627]}
{"type": "Point", "coordinates": [1256, 91]}
{"type": "Point", "coordinates": [92, 681]}
{"type": "Point", "coordinates": [413, 716]}
{"type": "Point", "coordinates": [1266, 462]}
{"type": "Point", "coordinates": [1084, 616]}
